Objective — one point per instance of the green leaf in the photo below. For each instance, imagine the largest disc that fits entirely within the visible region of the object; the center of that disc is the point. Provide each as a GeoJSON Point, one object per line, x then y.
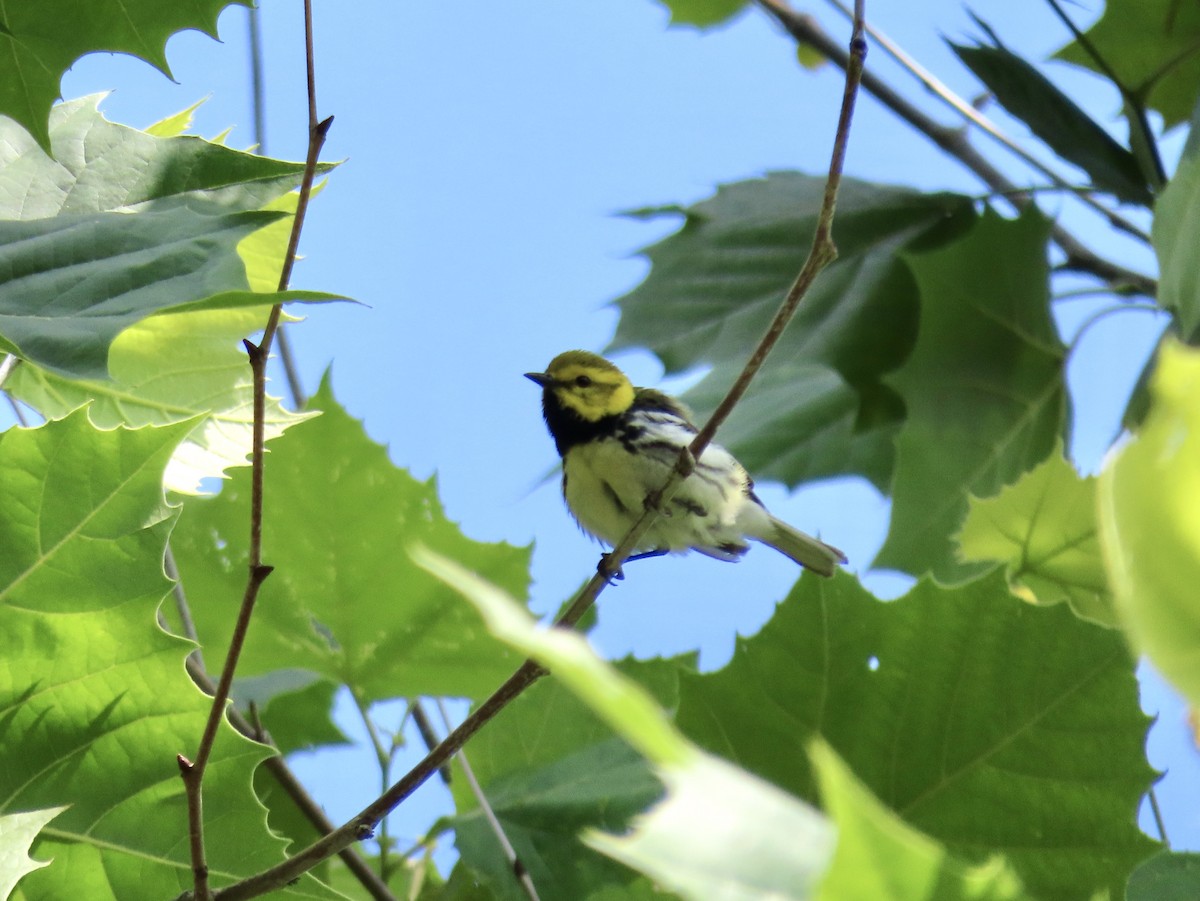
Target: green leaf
{"type": "Point", "coordinates": [343, 600]}
{"type": "Point", "coordinates": [1057, 120]}
{"type": "Point", "coordinates": [984, 388]}
{"type": "Point", "coordinates": [1151, 46]}
{"type": "Point", "coordinates": [166, 369]}
{"type": "Point", "coordinates": [881, 857]}
{"type": "Point", "coordinates": [1043, 528]}
{"type": "Point", "coordinates": [37, 46]}
{"type": "Point", "coordinates": [71, 284]}
{"type": "Point", "coordinates": [1166, 877]}
{"type": "Point", "coordinates": [95, 697]}
{"type": "Point", "coordinates": [1173, 234]}
{"type": "Point", "coordinates": [990, 725]}
{"type": "Point", "coordinates": [719, 833]}
{"type": "Point", "coordinates": [1149, 509]}
{"type": "Point", "coordinates": [716, 283]}
{"type": "Point", "coordinates": [549, 768]}
{"type": "Point", "coordinates": [17, 833]}
{"type": "Point", "coordinates": [100, 166]}
{"type": "Point", "coordinates": [702, 13]}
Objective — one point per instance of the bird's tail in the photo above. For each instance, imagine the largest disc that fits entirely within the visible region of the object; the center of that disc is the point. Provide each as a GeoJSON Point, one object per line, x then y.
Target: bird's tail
{"type": "Point", "coordinates": [809, 552]}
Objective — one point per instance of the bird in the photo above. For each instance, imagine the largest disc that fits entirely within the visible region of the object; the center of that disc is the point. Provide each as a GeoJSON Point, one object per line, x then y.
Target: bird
{"type": "Point", "coordinates": [618, 444]}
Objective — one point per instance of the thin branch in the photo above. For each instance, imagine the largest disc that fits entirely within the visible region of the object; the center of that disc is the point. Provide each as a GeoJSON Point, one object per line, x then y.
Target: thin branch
{"type": "Point", "coordinates": [361, 826]}
{"type": "Point", "coordinates": [944, 93]}
{"type": "Point", "coordinates": [515, 865]}
{"type": "Point", "coordinates": [806, 30]}
{"type": "Point", "coordinates": [192, 771]}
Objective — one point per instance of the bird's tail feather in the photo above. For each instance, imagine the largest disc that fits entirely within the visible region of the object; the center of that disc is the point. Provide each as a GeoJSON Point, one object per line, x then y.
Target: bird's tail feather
{"type": "Point", "coordinates": [809, 552]}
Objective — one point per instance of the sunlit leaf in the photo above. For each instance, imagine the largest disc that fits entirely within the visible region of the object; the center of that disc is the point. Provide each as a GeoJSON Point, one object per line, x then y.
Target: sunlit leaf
{"type": "Point", "coordinates": [1043, 528]}
{"type": "Point", "coordinates": [1149, 504]}
{"type": "Point", "coordinates": [97, 703]}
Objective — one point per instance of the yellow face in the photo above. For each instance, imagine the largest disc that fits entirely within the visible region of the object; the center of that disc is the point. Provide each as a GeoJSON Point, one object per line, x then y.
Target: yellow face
{"type": "Point", "coordinates": [589, 385]}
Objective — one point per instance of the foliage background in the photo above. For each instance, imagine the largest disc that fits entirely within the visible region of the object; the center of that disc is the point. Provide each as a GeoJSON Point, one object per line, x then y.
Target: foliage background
{"type": "Point", "coordinates": [485, 162]}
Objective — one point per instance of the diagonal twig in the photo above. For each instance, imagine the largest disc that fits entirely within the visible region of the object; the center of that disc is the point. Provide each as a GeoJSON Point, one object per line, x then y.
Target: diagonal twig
{"type": "Point", "coordinates": [362, 824]}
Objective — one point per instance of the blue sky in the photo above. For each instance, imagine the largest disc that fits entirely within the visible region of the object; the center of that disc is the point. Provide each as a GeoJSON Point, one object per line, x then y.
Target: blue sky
{"type": "Point", "coordinates": [487, 147]}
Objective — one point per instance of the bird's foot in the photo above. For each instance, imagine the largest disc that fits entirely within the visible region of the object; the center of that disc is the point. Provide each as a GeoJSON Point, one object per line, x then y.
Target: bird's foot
{"type": "Point", "coordinates": [614, 573]}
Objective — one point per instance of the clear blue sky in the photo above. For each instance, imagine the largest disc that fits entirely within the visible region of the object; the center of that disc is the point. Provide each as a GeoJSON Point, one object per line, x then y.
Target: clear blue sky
{"type": "Point", "coordinates": [487, 147]}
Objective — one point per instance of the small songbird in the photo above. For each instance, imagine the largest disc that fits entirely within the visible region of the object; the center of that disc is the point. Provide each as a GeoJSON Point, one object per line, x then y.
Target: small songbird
{"type": "Point", "coordinates": [618, 443]}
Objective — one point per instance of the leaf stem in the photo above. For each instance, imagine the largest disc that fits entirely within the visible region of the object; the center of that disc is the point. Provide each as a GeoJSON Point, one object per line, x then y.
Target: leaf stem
{"type": "Point", "coordinates": [823, 251]}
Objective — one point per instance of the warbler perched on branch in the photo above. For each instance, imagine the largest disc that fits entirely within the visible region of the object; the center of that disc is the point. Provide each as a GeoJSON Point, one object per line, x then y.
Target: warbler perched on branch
{"type": "Point", "coordinates": [618, 443]}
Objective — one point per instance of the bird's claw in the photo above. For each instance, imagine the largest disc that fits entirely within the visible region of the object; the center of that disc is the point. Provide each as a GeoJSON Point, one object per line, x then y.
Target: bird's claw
{"type": "Point", "coordinates": [614, 574]}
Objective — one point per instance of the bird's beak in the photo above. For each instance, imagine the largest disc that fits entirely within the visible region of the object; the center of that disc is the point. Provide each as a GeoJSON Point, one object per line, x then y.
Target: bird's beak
{"type": "Point", "coordinates": [542, 378]}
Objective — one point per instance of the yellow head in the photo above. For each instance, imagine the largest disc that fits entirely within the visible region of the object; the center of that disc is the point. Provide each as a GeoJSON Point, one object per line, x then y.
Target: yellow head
{"type": "Point", "coordinates": [586, 384]}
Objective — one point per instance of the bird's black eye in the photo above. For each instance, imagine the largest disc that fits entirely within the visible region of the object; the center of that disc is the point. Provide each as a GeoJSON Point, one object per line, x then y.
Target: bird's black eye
{"type": "Point", "coordinates": [582, 381]}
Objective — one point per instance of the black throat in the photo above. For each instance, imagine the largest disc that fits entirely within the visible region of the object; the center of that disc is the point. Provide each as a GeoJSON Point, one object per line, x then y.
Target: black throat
{"type": "Point", "coordinates": [568, 428]}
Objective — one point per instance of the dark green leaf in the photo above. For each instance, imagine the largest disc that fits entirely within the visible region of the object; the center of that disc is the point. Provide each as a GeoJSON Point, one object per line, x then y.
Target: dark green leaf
{"type": "Point", "coordinates": [984, 388]}
{"type": "Point", "coordinates": [1152, 46]}
{"type": "Point", "coordinates": [716, 283]}
{"type": "Point", "coordinates": [993, 726]}
{"type": "Point", "coordinates": [40, 41]}
{"type": "Point", "coordinates": [1056, 119]}
{"type": "Point", "coordinates": [550, 768]}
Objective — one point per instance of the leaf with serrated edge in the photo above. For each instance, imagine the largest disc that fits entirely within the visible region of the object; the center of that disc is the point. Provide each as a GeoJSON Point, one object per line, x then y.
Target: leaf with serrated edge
{"type": "Point", "coordinates": [164, 370]}
{"type": "Point", "coordinates": [984, 388]}
{"type": "Point", "coordinates": [990, 725]}
{"type": "Point", "coordinates": [1043, 528]}
{"type": "Point", "coordinates": [1149, 503]}
{"type": "Point", "coordinates": [103, 166]}
{"type": "Point", "coordinates": [39, 47]}
{"type": "Point", "coordinates": [95, 697]}
{"type": "Point", "coordinates": [343, 601]}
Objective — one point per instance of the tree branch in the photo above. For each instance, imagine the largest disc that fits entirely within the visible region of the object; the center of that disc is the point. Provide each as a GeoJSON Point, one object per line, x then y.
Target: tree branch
{"type": "Point", "coordinates": [806, 30]}
{"type": "Point", "coordinates": [361, 826]}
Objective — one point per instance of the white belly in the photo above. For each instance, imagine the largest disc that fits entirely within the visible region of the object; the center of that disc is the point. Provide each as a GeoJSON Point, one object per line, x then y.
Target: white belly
{"type": "Point", "coordinates": [605, 487]}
